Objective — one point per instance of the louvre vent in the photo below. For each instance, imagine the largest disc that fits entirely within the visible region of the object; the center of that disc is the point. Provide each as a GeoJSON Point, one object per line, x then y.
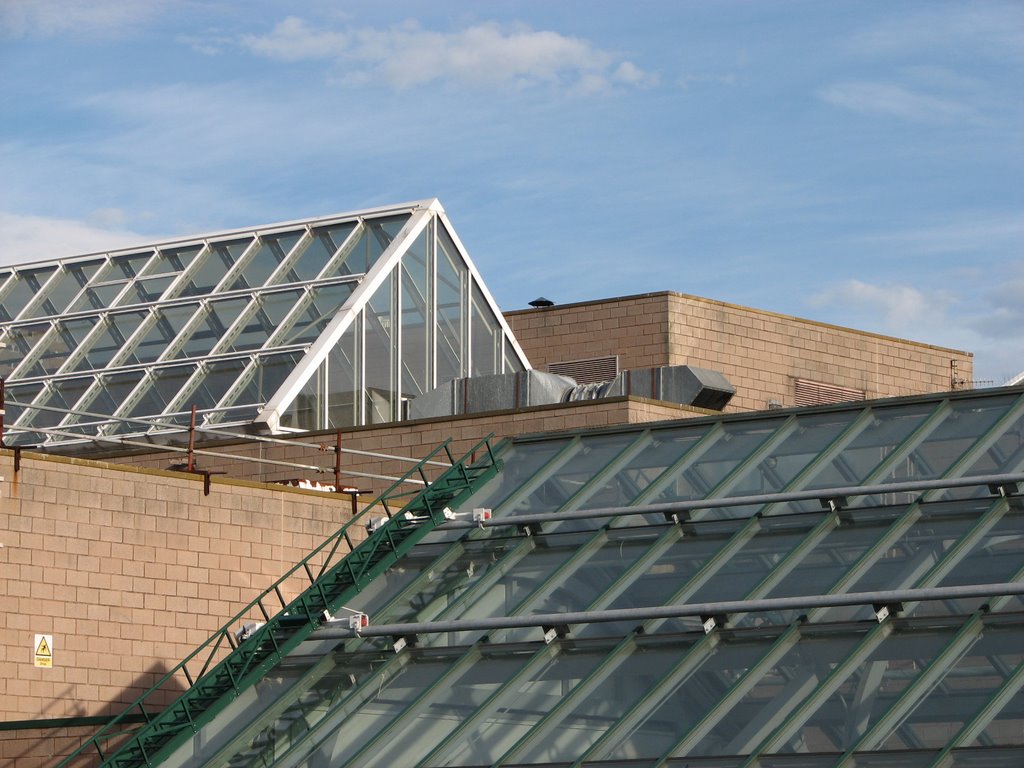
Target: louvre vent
{"type": "Point", "coordinates": [819, 393]}
{"type": "Point", "coordinates": [588, 371]}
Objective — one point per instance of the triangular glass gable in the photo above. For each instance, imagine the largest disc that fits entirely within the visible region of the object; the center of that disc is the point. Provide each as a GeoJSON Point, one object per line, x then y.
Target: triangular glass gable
{"type": "Point", "coordinates": [310, 325]}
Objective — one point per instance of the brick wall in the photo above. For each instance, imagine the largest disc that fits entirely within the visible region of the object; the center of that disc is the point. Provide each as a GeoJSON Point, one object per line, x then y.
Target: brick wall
{"type": "Point", "coordinates": [761, 353]}
{"type": "Point", "coordinates": [130, 570]}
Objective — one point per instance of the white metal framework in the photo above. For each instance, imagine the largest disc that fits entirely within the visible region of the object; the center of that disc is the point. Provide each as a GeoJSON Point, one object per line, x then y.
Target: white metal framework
{"type": "Point", "coordinates": [314, 324]}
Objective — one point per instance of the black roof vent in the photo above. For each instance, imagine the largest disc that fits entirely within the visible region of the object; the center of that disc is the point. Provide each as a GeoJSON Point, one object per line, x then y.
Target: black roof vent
{"type": "Point", "coordinates": [542, 302]}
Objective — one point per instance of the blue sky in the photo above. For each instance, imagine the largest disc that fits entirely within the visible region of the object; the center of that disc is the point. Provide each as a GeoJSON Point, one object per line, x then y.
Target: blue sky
{"type": "Point", "coordinates": [856, 163]}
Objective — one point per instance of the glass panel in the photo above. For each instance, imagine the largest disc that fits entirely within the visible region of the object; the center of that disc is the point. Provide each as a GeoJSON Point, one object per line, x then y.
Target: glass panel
{"type": "Point", "coordinates": [217, 318]}
{"type": "Point", "coordinates": [172, 260]}
{"type": "Point", "coordinates": [416, 299]}
{"type": "Point", "coordinates": [306, 410]}
{"type": "Point", "coordinates": [699, 477]}
{"type": "Point", "coordinates": [380, 353]}
{"type": "Point", "coordinates": [890, 427]}
{"type": "Point", "coordinates": [452, 298]}
{"type": "Point", "coordinates": [593, 454]}
{"type": "Point", "coordinates": [321, 307]}
{"type": "Point", "coordinates": [869, 692]}
{"type": "Point", "coordinates": [215, 264]}
{"type": "Point", "coordinates": [967, 420]}
{"type": "Point", "coordinates": [214, 382]}
{"type": "Point", "coordinates": [63, 395]}
{"type": "Point", "coordinates": [263, 317]}
{"type": "Point", "coordinates": [109, 396]}
{"type": "Point", "coordinates": [18, 396]}
{"type": "Point", "coordinates": [486, 337]}
{"type": "Point", "coordinates": [1005, 455]}
{"type": "Point", "coordinates": [379, 235]}
{"type": "Point", "coordinates": [619, 686]}
{"type": "Point", "coordinates": [448, 707]}
{"type": "Point", "coordinates": [165, 384]}
{"type": "Point", "coordinates": [167, 324]}
{"type": "Point", "coordinates": [965, 688]}
{"type": "Point", "coordinates": [127, 265]}
{"type": "Point", "coordinates": [664, 449]}
{"type": "Point", "coordinates": [268, 257]}
{"type": "Point", "coordinates": [908, 557]}
{"type": "Point", "coordinates": [343, 380]}
{"type": "Point", "coordinates": [24, 288]}
{"type": "Point", "coordinates": [318, 253]}
{"type": "Point", "coordinates": [512, 362]}
{"type": "Point", "coordinates": [520, 708]}
{"type": "Point", "coordinates": [110, 339]}
{"type": "Point", "coordinates": [67, 286]}
{"type": "Point", "coordinates": [146, 290]}
{"type": "Point", "coordinates": [264, 378]}
{"type": "Point", "coordinates": [20, 341]}
{"type": "Point", "coordinates": [98, 297]}
{"type": "Point", "coordinates": [808, 438]}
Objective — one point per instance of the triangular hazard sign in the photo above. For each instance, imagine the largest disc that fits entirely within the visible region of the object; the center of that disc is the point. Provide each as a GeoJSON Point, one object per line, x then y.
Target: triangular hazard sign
{"type": "Point", "coordinates": [43, 649]}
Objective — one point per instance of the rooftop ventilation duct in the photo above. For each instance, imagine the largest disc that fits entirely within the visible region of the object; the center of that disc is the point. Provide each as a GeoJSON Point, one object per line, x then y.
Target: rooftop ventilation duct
{"type": "Point", "coordinates": [683, 384]}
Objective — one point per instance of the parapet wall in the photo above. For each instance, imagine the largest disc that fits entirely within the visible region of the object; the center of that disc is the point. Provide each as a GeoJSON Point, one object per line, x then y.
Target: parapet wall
{"type": "Point", "coordinates": [763, 354]}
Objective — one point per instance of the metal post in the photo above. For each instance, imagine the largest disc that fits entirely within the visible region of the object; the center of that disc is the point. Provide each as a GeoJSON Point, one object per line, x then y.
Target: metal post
{"type": "Point", "coordinates": [337, 469]}
{"type": "Point", "coordinates": [192, 440]}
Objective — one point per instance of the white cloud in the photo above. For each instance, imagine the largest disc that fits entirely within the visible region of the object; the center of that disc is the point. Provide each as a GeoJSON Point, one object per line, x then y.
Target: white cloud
{"type": "Point", "coordinates": [486, 54]}
{"type": "Point", "coordinates": [894, 100]}
{"type": "Point", "coordinates": [988, 235]}
{"type": "Point", "coordinates": [28, 238]}
{"type": "Point", "coordinates": [897, 309]}
{"type": "Point", "coordinates": [49, 18]}
{"type": "Point", "coordinates": [995, 28]}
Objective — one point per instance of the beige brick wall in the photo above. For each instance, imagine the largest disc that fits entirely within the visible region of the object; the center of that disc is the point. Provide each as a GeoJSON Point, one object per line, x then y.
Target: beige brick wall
{"type": "Point", "coordinates": [130, 570]}
{"type": "Point", "coordinates": [761, 353]}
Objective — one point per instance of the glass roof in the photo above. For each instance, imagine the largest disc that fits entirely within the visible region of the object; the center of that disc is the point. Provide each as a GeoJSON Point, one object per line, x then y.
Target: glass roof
{"type": "Point", "coordinates": [293, 326]}
{"type": "Point", "coordinates": [938, 682]}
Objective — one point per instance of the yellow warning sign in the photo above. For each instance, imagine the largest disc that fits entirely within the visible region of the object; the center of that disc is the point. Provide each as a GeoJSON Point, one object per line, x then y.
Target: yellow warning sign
{"type": "Point", "coordinates": [44, 650]}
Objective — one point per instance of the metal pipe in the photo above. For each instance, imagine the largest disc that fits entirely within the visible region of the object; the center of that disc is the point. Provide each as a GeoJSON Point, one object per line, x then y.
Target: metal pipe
{"type": "Point", "coordinates": [340, 630]}
{"type": "Point", "coordinates": [170, 426]}
{"type": "Point", "coordinates": [843, 492]}
{"type": "Point", "coordinates": [216, 454]}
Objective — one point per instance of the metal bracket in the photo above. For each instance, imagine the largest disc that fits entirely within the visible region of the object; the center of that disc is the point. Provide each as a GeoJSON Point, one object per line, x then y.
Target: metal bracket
{"type": "Point", "coordinates": [833, 503]}
{"type": "Point", "coordinates": [551, 632]}
{"type": "Point", "coordinates": [885, 610]}
{"type": "Point", "coordinates": [530, 529]}
{"type": "Point", "coordinates": [711, 622]}
{"type": "Point", "coordinates": [1004, 490]}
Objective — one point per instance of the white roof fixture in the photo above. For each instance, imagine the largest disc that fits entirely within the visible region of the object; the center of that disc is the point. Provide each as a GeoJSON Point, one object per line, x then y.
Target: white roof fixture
{"type": "Point", "coordinates": [314, 324]}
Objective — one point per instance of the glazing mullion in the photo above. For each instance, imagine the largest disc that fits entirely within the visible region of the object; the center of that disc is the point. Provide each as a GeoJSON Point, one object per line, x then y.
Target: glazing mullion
{"type": "Point", "coordinates": [736, 692]}
{"type": "Point", "coordinates": [1003, 695]}
{"type": "Point", "coordinates": [44, 289]}
{"type": "Point", "coordinates": [691, 455]}
{"type": "Point", "coordinates": [610, 470]}
{"type": "Point", "coordinates": [801, 711]}
{"type": "Point", "coordinates": [544, 655]}
{"type": "Point", "coordinates": [827, 456]}
{"type": "Point", "coordinates": [345, 249]}
{"type": "Point", "coordinates": [612, 662]}
{"type": "Point", "coordinates": [33, 355]}
{"type": "Point", "coordinates": [932, 674]}
{"type": "Point", "coordinates": [415, 707]}
{"type": "Point", "coordinates": [556, 462]}
{"type": "Point", "coordinates": [232, 273]}
{"type": "Point", "coordinates": [291, 257]}
{"type": "Point", "coordinates": [344, 708]}
{"type": "Point", "coordinates": [763, 449]}
{"type": "Point", "coordinates": [981, 445]}
{"type": "Point", "coordinates": [909, 444]}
